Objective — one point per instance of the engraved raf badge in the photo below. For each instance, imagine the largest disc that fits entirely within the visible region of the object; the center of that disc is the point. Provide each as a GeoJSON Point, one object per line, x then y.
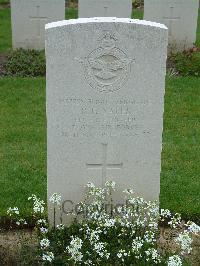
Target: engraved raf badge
{"type": "Point", "coordinates": [107, 67]}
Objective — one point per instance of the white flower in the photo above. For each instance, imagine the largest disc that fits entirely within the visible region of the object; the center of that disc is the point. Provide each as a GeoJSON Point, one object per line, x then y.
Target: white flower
{"type": "Point", "coordinates": [43, 230]}
{"type": "Point", "coordinates": [193, 228]}
{"type": "Point", "coordinates": [56, 199]}
{"type": "Point", "coordinates": [12, 211]}
{"type": "Point", "coordinates": [74, 249]}
{"type": "Point", "coordinates": [174, 261]}
{"type": "Point", "coordinates": [42, 221]}
{"type": "Point", "coordinates": [119, 255]}
{"type": "Point", "coordinates": [38, 205]}
{"type": "Point", "coordinates": [44, 243]}
{"type": "Point", "coordinates": [137, 244]}
{"type": "Point", "coordinates": [149, 237]}
{"type": "Point", "coordinates": [97, 192]}
{"type": "Point", "coordinates": [185, 242]}
{"type": "Point", "coordinates": [21, 221]}
{"type": "Point", "coordinates": [109, 222]}
{"type": "Point", "coordinates": [107, 255]}
{"type": "Point", "coordinates": [165, 213]}
{"type": "Point", "coordinates": [128, 191]}
{"type": "Point", "coordinates": [175, 220]}
{"type": "Point", "coordinates": [60, 226]}
{"type": "Point", "coordinates": [153, 254]}
{"type": "Point", "coordinates": [119, 209]}
{"type": "Point", "coordinates": [110, 184]}
{"type": "Point", "coordinates": [38, 208]}
{"type": "Point", "coordinates": [94, 235]}
{"type": "Point", "coordinates": [48, 256]}
{"type": "Point", "coordinates": [88, 262]}
{"type": "Point", "coordinates": [99, 248]}
{"type": "Point", "coordinates": [90, 185]}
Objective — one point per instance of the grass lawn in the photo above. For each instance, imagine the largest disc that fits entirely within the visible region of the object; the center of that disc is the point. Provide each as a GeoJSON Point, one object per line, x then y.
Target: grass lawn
{"type": "Point", "coordinates": [5, 30]}
{"type": "Point", "coordinates": [22, 140]}
{"type": "Point", "coordinates": [23, 144]}
{"type": "Point", "coordinates": [23, 137]}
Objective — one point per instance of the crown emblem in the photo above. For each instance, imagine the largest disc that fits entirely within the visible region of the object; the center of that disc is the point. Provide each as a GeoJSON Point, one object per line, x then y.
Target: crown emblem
{"type": "Point", "coordinates": [108, 40]}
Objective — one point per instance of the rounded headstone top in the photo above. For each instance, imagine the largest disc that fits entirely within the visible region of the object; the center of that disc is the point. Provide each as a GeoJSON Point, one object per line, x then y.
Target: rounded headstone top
{"type": "Point", "coordinates": [101, 20]}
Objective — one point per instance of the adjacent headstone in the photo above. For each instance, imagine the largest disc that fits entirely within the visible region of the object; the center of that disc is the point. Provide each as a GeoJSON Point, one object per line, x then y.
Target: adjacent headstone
{"type": "Point", "coordinates": [29, 18]}
{"type": "Point", "coordinates": [105, 8]}
{"type": "Point", "coordinates": [180, 16]}
{"type": "Point", "coordinates": [105, 102]}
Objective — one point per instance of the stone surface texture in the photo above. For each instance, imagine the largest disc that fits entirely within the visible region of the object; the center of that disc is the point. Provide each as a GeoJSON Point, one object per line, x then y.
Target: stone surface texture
{"type": "Point", "coordinates": [180, 16]}
{"type": "Point", "coordinates": [105, 8]}
{"type": "Point", "coordinates": [29, 18]}
{"type": "Point", "coordinates": [105, 103]}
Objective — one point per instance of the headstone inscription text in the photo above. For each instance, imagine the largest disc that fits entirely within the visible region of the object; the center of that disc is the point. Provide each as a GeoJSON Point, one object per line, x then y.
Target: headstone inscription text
{"type": "Point", "coordinates": [105, 102]}
{"type": "Point", "coordinates": [105, 120]}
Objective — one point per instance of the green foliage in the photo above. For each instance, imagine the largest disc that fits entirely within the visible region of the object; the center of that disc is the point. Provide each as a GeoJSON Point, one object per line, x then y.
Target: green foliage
{"type": "Point", "coordinates": [4, 1]}
{"type": "Point", "coordinates": [187, 63]}
{"type": "Point", "coordinates": [71, 13]}
{"type": "Point", "coordinates": [25, 63]}
{"type": "Point", "coordinates": [5, 30]}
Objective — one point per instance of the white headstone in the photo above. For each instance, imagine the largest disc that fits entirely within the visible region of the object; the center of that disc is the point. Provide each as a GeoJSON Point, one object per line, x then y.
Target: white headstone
{"type": "Point", "coordinates": [29, 18]}
{"type": "Point", "coordinates": [105, 102]}
{"type": "Point", "coordinates": [105, 8]}
{"type": "Point", "coordinates": [180, 16]}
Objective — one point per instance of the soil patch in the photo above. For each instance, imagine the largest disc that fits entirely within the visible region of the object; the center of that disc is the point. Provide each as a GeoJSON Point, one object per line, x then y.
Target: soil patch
{"type": "Point", "coordinates": [18, 247]}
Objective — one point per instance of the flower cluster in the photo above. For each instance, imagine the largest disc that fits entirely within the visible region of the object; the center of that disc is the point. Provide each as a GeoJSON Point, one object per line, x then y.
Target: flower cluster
{"type": "Point", "coordinates": [15, 216]}
{"type": "Point", "coordinates": [38, 205]}
{"type": "Point", "coordinates": [48, 256]}
{"type": "Point", "coordinates": [13, 211]}
{"type": "Point", "coordinates": [74, 249]}
{"type": "Point", "coordinates": [174, 261]}
{"type": "Point", "coordinates": [104, 234]}
{"type": "Point", "coordinates": [193, 228]}
{"type": "Point", "coordinates": [185, 242]}
{"type": "Point", "coordinates": [56, 199]}
{"type": "Point", "coordinates": [44, 243]}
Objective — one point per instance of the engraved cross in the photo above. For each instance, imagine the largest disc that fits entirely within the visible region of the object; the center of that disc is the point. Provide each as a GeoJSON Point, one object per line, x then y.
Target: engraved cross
{"type": "Point", "coordinates": [171, 19]}
{"type": "Point", "coordinates": [38, 18]}
{"type": "Point", "coordinates": [104, 165]}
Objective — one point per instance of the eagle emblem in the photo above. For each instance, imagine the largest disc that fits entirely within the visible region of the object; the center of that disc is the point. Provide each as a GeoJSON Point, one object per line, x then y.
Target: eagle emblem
{"type": "Point", "coordinates": [107, 68]}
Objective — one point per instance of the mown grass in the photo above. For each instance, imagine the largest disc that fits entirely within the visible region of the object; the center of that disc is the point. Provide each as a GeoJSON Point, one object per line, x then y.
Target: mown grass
{"type": "Point", "coordinates": [180, 184]}
{"type": "Point", "coordinates": [23, 144]}
{"type": "Point", "coordinates": [22, 141]}
{"type": "Point", "coordinates": [5, 30]}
